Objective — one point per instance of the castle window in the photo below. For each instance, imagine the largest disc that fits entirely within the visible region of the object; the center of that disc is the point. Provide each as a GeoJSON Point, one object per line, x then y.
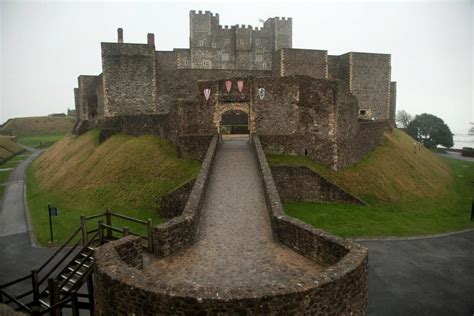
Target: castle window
{"type": "Point", "coordinates": [225, 56]}
{"type": "Point", "coordinates": [264, 65]}
{"type": "Point", "coordinates": [185, 62]}
{"type": "Point", "coordinates": [259, 57]}
{"type": "Point", "coordinates": [214, 45]}
{"type": "Point", "coordinates": [362, 112]}
{"type": "Point", "coordinates": [201, 43]}
{"type": "Point", "coordinates": [257, 42]}
{"type": "Point", "coordinates": [206, 64]}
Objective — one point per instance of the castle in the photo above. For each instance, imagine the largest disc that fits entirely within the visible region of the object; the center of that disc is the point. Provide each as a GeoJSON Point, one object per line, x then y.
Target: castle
{"type": "Point", "coordinates": [333, 109]}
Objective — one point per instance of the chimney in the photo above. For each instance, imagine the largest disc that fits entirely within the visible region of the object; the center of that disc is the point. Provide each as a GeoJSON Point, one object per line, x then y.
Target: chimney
{"type": "Point", "coordinates": [120, 35]}
{"type": "Point", "coordinates": [151, 39]}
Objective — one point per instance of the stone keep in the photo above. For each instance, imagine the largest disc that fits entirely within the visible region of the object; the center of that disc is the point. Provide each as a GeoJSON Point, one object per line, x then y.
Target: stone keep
{"type": "Point", "coordinates": [145, 91]}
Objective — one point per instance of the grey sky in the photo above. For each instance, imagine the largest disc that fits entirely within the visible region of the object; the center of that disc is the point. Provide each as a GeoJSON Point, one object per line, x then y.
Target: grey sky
{"type": "Point", "coordinates": [46, 45]}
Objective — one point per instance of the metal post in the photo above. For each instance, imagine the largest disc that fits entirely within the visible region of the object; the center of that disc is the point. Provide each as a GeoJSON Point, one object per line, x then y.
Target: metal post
{"type": "Point", "coordinates": [90, 293]}
{"type": "Point", "coordinates": [54, 297]}
{"type": "Point", "coordinates": [108, 221]}
{"type": "Point", "coordinates": [50, 223]}
{"type": "Point", "coordinates": [74, 304]}
{"type": "Point", "coordinates": [35, 285]}
{"type": "Point", "coordinates": [84, 230]}
{"type": "Point", "coordinates": [125, 231]}
{"type": "Point", "coordinates": [150, 235]}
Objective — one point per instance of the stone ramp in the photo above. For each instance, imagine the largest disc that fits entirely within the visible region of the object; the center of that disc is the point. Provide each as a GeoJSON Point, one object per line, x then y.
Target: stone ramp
{"type": "Point", "coordinates": [235, 247]}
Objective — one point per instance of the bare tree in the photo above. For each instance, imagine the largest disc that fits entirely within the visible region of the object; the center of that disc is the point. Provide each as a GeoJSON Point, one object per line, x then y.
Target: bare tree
{"type": "Point", "coordinates": [403, 118]}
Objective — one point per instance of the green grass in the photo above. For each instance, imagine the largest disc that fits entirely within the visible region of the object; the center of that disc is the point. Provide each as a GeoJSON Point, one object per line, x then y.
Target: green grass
{"type": "Point", "coordinates": [124, 174]}
{"type": "Point", "coordinates": [408, 205]}
{"type": "Point", "coordinates": [39, 141]}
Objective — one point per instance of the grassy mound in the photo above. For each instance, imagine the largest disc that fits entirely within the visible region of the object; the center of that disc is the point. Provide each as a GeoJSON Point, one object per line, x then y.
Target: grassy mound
{"type": "Point", "coordinates": [124, 173]}
{"type": "Point", "coordinates": [8, 148]}
{"type": "Point", "coordinates": [39, 131]}
{"type": "Point", "coordinates": [407, 193]}
{"type": "Point", "coordinates": [39, 125]}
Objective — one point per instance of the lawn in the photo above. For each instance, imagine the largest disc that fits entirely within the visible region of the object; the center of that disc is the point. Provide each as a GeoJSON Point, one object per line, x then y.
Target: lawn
{"type": "Point", "coordinates": [39, 141]}
{"type": "Point", "coordinates": [125, 174]}
{"type": "Point", "coordinates": [403, 197]}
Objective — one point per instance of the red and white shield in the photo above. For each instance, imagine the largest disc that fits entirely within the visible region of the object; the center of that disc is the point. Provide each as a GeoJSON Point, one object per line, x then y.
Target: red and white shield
{"type": "Point", "coordinates": [228, 85]}
{"type": "Point", "coordinates": [207, 93]}
{"type": "Point", "coordinates": [240, 85]}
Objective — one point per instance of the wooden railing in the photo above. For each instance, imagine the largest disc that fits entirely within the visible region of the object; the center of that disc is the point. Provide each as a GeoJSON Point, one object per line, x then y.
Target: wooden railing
{"type": "Point", "coordinates": [110, 228]}
{"type": "Point", "coordinates": [82, 236]}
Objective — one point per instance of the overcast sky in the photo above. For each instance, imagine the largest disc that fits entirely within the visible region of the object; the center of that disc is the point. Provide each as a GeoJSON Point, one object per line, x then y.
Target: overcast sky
{"type": "Point", "coordinates": [46, 45]}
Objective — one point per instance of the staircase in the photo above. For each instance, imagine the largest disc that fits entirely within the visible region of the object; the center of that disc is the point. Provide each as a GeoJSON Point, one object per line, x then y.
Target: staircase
{"type": "Point", "coordinates": [61, 280]}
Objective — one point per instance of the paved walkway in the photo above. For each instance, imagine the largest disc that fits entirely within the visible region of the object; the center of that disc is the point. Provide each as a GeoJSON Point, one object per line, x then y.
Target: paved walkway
{"type": "Point", "coordinates": [456, 155]}
{"type": "Point", "coordinates": [429, 276]}
{"type": "Point", "coordinates": [12, 212]}
{"type": "Point", "coordinates": [235, 247]}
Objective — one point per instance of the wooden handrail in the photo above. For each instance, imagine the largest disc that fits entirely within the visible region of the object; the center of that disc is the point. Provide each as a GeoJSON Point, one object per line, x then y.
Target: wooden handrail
{"type": "Point", "coordinates": [15, 281]}
{"type": "Point", "coordinates": [17, 302]}
{"type": "Point", "coordinates": [60, 262]}
{"type": "Point", "coordinates": [135, 220]}
{"type": "Point", "coordinates": [60, 248]}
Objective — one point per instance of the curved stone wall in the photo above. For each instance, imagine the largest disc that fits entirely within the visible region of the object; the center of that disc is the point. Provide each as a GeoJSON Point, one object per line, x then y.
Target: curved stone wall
{"type": "Point", "coordinates": [122, 287]}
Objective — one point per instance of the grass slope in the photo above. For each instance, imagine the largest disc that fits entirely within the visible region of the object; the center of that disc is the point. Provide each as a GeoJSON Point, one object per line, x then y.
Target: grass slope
{"type": "Point", "coordinates": [81, 177]}
{"type": "Point", "coordinates": [39, 125]}
{"type": "Point", "coordinates": [8, 148]}
{"type": "Point", "coordinates": [406, 193]}
{"type": "Point", "coordinates": [39, 131]}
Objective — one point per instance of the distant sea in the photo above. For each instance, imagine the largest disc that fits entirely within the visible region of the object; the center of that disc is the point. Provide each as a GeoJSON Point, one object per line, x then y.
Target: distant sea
{"type": "Point", "coordinates": [463, 140]}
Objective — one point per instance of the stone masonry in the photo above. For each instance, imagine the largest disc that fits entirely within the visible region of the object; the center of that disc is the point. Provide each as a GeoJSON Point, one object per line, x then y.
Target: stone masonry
{"type": "Point", "coordinates": [300, 101]}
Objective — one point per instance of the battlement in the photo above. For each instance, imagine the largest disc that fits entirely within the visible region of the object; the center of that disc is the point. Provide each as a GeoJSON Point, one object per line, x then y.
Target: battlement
{"type": "Point", "coordinates": [208, 13]}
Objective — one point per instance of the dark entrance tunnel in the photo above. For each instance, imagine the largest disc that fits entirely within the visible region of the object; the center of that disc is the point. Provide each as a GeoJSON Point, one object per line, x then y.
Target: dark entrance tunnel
{"type": "Point", "coordinates": [234, 122]}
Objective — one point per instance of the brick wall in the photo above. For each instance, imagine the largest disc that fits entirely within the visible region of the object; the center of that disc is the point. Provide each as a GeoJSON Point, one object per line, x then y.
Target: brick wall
{"type": "Point", "coordinates": [173, 203]}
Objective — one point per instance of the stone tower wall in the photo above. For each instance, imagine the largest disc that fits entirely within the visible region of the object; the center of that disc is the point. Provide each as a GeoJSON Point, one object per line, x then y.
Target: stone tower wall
{"type": "Point", "coordinates": [370, 83]}
{"type": "Point", "coordinates": [129, 79]}
{"type": "Point", "coordinates": [393, 103]}
{"type": "Point", "coordinates": [88, 101]}
{"type": "Point", "coordinates": [308, 62]}
{"type": "Point", "coordinates": [213, 46]}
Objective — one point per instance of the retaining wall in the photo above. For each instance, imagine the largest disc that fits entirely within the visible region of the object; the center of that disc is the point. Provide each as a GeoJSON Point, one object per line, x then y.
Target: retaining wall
{"type": "Point", "coordinates": [180, 231]}
{"type": "Point", "coordinates": [303, 184]}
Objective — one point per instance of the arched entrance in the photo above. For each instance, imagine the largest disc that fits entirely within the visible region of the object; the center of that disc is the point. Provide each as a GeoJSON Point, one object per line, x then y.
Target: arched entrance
{"type": "Point", "coordinates": [233, 120]}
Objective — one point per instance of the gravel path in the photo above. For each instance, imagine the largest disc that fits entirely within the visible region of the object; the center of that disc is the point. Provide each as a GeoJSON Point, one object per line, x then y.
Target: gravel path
{"type": "Point", "coordinates": [235, 247]}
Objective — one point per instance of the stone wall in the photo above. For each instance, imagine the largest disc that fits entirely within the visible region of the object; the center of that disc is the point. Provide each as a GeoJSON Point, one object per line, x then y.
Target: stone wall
{"type": "Point", "coordinates": [340, 289]}
{"type": "Point", "coordinates": [173, 203]}
{"type": "Point", "coordinates": [129, 78]}
{"type": "Point", "coordinates": [369, 135]}
{"type": "Point", "coordinates": [393, 103]}
{"type": "Point", "coordinates": [234, 47]}
{"type": "Point", "coordinates": [308, 62]}
{"type": "Point", "coordinates": [87, 97]}
{"type": "Point", "coordinates": [180, 232]}
{"type": "Point", "coordinates": [370, 83]}
{"type": "Point", "coordinates": [302, 184]}
{"type": "Point", "coordinates": [130, 250]}
{"type": "Point", "coordinates": [135, 125]}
